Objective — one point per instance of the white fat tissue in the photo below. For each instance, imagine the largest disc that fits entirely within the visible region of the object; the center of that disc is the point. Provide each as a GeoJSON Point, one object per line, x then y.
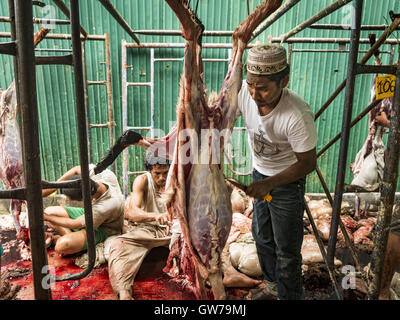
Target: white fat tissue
{"type": "Point", "coordinates": [368, 174]}
{"type": "Point", "coordinates": [244, 257]}
{"type": "Point", "coordinates": [311, 253]}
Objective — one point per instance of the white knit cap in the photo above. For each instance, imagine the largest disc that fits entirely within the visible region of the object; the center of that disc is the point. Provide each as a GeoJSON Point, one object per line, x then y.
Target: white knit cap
{"type": "Point", "coordinates": [266, 59]}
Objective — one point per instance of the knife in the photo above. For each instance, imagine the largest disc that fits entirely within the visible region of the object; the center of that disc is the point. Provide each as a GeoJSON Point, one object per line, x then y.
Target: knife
{"type": "Point", "coordinates": [243, 187]}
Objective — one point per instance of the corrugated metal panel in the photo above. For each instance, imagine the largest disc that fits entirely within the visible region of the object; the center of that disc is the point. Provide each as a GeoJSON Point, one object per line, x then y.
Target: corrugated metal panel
{"type": "Point", "coordinates": [314, 76]}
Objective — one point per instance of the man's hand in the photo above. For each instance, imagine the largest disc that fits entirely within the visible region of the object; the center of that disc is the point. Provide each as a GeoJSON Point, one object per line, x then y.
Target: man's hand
{"type": "Point", "coordinates": [382, 119]}
{"type": "Point", "coordinates": [162, 218]}
{"type": "Point", "coordinates": [259, 189]}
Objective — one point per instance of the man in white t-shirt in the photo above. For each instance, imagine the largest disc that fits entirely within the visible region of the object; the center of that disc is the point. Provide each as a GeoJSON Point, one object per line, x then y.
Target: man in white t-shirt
{"type": "Point", "coordinates": [282, 138]}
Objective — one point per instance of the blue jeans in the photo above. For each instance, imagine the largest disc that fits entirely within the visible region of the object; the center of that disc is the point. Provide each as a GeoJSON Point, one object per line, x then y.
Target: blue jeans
{"type": "Point", "coordinates": [277, 229]}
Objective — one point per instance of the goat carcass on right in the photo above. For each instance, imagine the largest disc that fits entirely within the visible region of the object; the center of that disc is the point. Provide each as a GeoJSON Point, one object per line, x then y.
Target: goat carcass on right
{"type": "Point", "coordinates": [370, 160]}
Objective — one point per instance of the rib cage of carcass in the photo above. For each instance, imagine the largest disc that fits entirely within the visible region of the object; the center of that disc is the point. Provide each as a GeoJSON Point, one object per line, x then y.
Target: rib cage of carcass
{"type": "Point", "coordinates": [369, 164]}
{"type": "Point", "coordinates": [199, 197]}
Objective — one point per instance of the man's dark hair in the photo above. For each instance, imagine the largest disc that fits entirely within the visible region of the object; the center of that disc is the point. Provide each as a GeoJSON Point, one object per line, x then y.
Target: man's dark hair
{"type": "Point", "coordinates": [277, 77]}
{"type": "Point", "coordinates": [76, 193]}
{"type": "Point", "coordinates": [153, 160]}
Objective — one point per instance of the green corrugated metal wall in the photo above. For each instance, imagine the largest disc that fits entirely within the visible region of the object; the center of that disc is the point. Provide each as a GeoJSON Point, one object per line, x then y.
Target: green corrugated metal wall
{"type": "Point", "coordinates": [313, 75]}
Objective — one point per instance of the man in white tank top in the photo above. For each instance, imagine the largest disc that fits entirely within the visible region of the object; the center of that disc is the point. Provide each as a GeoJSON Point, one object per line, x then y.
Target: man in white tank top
{"type": "Point", "coordinates": [282, 138]}
{"type": "Point", "coordinates": [147, 227]}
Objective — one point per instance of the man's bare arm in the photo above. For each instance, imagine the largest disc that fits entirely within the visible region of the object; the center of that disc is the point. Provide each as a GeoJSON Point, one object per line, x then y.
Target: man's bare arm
{"type": "Point", "coordinates": [306, 163]}
{"type": "Point", "coordinates": [134, 202]}
{"type": "Point", "coordinates": [63, 221]}
{"type": "Point", "coordinates": [71, 172]}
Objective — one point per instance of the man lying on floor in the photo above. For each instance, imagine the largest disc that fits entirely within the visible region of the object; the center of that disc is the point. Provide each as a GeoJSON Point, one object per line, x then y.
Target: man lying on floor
{"type": "Point", "coordinates": [69, 222]}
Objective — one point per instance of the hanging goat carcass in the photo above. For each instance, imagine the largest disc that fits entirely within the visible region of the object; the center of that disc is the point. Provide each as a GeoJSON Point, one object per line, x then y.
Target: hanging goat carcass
{"type": "Point", "coordinates": [11, 165]}
{"type": "Point", "coordinates": [198, 196]}
{"type": "Point", "coordinates": [369, 164]}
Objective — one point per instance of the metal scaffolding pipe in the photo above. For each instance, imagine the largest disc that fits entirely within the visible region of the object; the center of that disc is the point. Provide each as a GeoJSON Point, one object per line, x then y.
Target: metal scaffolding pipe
{"type": "Point", "coordinates": [274, 17]}
{"type": "Point", "coordinates": [388, 189]}
{"type": "Point", "coordinates": [39, 21]}
{"type": "Point", "coordinates": [353, 123]}
{"type": "Point", "coordinates": [121, 21]}
{"type": "Point", "coordinates": [61, 5]}
{"type": "Point", "coordinates": [83, 146]}
{"type": "Point", "coordinates": [322, 250]}
{"type": "Point", "coordinates": [344, 143]}
{"type": "Point", "coordinates": [8, 48]}
{"type": "Point", "coordinates": [347, 239]}
{"type": "Point", "coordinates": [348, 27]}
{"type": "Point", "coordinates": [383, 39]}
{"type": "Point", "coordinates": [322, 14]}
{"type": "Point", "coordinates": [60, 36]}
{"type": "Point", "coordinates": [27, 102]}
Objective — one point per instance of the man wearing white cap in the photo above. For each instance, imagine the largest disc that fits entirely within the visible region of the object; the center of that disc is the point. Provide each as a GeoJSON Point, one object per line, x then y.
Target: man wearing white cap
{"type": "Point", "coordinates": [282, 137]}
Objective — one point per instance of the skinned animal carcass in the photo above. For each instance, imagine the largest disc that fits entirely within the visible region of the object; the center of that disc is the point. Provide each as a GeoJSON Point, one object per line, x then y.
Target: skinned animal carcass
{"type": "Point", "coordinates": [200, 197]}
{"type": "Point", "coordinates": [197, 196]}
{"type": "Point", "coordinates": [11, 166]}
{"type": "Point", "coordinates": [369, 163]}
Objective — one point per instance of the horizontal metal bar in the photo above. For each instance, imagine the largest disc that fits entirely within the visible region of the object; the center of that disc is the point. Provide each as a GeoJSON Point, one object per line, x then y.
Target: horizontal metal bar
{"type": "Point", "coordinates": [363, 69]}
{"type": "Point", "coordinates": [214, 33]}
{"type": "Point", "coordinates": [20, 193]}
{"type": "Point", "coordinates": [136, 172]}
{"type": "Point", "coordinates": [181, 60]}
{"type": "Point", "coordinates": [62, 36]}
{"type": "Point", "coordinates": [137, 128]}
{"type": "Point", "coordinates": [53, 50]}
{"type": "Point", "coordinates": [102, 125]}
{"type": "Point", "coordinates": [61, 184]}
{"type": "Point", "coordinates": [348, 27]}
{"type": "Point", "coordinates": [47, 60]}
{"type": "Point", "coordinates": [97, 82]}
{"type": "Point", "coordinates": [138, 84]}
{"type": "Point", "coordinates": [13, 194]}
{"type": "Point", "coordinates": [8, 48]}
{"type": "Point", "coordinates": [39, 21]}
{"type": "Point", "coordinates": [273, 40]}
{"type": "Point", "coordinates": [334, 51]}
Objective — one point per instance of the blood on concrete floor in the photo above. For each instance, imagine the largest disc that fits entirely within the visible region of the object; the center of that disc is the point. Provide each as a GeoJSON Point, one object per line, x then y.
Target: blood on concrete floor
{"type": "Point", "coordinates": [150, 284]}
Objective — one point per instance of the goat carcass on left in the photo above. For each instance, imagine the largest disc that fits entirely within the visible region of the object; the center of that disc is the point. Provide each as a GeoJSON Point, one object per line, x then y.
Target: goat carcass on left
{"type": "Point", "coordinates": [11, 165]}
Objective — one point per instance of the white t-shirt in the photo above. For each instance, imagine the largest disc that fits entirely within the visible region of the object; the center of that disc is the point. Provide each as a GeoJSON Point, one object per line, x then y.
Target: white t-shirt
{"type": "Point", "coordinates": [275, 137]}
{"type": "Point", "coordinates": [108, 209]}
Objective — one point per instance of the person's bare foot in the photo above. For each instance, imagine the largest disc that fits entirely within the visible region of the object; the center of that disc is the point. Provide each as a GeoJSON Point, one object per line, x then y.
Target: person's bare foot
{"type": "Point", "coordinates": [235, 279]}
{"type": "Point", "coordinates": [125, 295]}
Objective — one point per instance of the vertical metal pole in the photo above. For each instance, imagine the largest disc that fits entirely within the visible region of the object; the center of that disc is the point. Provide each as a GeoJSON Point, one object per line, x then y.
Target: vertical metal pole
{"type": "Point", "coordinates": [344, 143]}
{"type": "Point", "coordinates": [109, 92]}
{"type": "Point", "coordinates": [82, 129]}
{"type": "Point", "coordinates": [27, 101]}
{"type": "Point", "coordinates": [124, 117]}
{"type": "Point", "coordinates": [86, 93]}
{"type": "Point", "coordinates": [290, 52]}
{"type": "Point", "coordinates": [152, 92]}
{"type": "Point", "coordinates": [388, 190]}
